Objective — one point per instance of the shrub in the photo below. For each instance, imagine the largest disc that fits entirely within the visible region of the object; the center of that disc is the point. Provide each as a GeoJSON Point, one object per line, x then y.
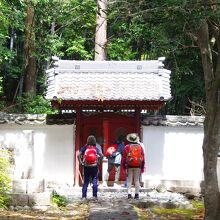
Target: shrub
{"type": "Point", "coordinates": [34, 104]}
{"type": "Point", "coordinates": [5, 180]}
{"type": "Point", "coordinates": [60, 201]}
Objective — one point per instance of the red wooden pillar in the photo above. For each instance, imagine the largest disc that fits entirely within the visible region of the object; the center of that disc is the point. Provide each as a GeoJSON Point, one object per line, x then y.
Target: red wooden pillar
{"type": "Point", "coordinates": [106, 137]}
{"type": "Point", "coordinates": [106, 134]}
{"type": "Point", "coordinates": [77, 144]}
{"type": "Point", "coordinates": [138, 121]}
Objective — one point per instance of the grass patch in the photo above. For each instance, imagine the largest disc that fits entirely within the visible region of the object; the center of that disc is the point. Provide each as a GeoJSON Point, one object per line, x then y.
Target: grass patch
{"type": "Point", "coordinates": [175, 213]}
{"type": "Point", "coordinates": [198, 204]}
{"type": "Point", "coordinates": [142, 213]}
{"type": "Point", "coordinates": [197, 212]}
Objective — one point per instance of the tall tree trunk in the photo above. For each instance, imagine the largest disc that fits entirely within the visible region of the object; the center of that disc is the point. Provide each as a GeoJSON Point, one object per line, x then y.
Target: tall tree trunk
{"type": "Point", "coordinates": [211, 140]}
{"type": "Point", "coordinates": [12, 39]}
{"type": "Point", "coordinates": [29, 51]}
{"type": "Point", "coordinates": [101, 30]}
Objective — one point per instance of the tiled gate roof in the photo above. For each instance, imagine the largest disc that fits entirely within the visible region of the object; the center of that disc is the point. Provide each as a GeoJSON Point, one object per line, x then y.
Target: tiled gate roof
{"type": "Point", "coordinates": [108, 80]}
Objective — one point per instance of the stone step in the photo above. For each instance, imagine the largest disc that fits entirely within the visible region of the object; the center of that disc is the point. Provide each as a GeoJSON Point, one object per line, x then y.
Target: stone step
{"type": "Point", "coordinates": [101, 189]}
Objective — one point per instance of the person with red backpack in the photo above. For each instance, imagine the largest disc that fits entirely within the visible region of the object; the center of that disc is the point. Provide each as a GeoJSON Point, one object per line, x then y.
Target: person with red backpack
{"type": "Point", "coordinates": [114, 155]}
{"type": "Point", "coordinates": [90, 157]}
{"type": "Point", "coordinates": [133, 161]}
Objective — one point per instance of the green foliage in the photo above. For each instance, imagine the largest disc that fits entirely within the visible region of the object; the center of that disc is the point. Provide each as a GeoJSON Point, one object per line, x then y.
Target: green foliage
{"type": "Point", "coordinates": [73, 31]}
{"type": "Point", "coordinates": [77, 47]}
{"type": "Point", "coordinates": [5, 180]}
{"type": "Point", "coordinates": [153, 29]}
{"type": "Point", "coordinates": [34, 105]}
{"type": "Point", "coordinates": [119, 49]}
{"type": "Point", "coordinates": [60, 201]}
{"type": "Point", "coordinates": [4, 23]}
{"type": "Point", "coordinates": [137, 30]}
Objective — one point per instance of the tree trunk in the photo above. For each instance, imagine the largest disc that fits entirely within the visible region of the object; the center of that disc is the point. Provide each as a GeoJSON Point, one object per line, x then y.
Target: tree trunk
{"type": "Point", "coordinates": [211, 140]}
{"type": "Point", "coordinates": [101, 31]}
{"type": "Point", "coordinates": [29, 51]}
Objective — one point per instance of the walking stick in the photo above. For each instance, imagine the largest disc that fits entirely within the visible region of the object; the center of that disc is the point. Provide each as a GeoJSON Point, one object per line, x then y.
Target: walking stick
{"type": "Point", "coordinates": [80, 175]}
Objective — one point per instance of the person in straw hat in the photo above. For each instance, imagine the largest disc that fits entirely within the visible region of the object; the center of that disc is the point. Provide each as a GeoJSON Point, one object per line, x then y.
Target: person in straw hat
{"type": "Point", "coordinates": [133, 161]}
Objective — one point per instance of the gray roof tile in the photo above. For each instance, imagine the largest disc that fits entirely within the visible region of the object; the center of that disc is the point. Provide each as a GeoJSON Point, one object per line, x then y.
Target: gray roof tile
{"type": "Point", "coordinates": [108, 80]}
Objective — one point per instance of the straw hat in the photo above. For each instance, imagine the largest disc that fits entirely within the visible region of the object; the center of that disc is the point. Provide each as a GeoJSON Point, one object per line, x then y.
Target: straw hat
{"type": "Point", "coordinates": [133, 138]}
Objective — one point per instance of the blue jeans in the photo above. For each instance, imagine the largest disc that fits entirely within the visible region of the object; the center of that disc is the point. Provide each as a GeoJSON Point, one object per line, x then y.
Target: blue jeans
{"type": "Point", "coordinates": [90, 172]}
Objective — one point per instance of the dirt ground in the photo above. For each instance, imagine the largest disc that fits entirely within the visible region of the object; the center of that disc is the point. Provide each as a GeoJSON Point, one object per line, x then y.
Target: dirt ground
{"type": "Point", "coordinates": [77, 210]}
{"type": "Point", "coordinates": [105, 210]}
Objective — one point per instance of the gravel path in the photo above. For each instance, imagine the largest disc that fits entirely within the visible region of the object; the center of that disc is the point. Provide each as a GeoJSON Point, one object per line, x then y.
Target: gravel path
{"type": "Point", "coordinates": [108, 210]}
{"type": "Point", "coordinates": [109, 206]}
{"type": "Point", "coordinates": [113, 204]}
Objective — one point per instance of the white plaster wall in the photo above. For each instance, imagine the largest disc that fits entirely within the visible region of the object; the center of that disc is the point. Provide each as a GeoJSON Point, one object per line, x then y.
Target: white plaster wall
{"type": "Point", "coordinates": [52, 150]}
{"type": "Point", "coordinates": [173, 153]}
{"type": "Point", "coordinates": [54, 153]}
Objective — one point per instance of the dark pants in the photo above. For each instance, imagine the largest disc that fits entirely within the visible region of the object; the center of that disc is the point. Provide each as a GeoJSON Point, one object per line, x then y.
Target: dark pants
{"type": "Point", "coordinates": [90, 173]}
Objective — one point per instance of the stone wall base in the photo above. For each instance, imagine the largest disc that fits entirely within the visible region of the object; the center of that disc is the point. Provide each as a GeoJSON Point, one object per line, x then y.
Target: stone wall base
{"type": "Point", "coordinates": [28, 186]}
{"type": "Point", "coordinates": [181, 186]}
{"type": "Point", "coordinates": [36, 199]}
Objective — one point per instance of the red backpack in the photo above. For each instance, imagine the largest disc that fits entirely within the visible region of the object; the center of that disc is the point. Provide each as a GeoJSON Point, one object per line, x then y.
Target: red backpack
{"type": "Point", "coordinates": [135, 157]}
{"type": "Point", "coordinates": [111, 149]}
{"type": "Point", "coordinates": [90, 156]}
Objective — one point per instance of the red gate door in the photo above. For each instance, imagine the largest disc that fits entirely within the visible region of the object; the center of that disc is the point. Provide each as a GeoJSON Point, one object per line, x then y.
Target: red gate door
{"type": "Point", "coordinates": [92, 125]}
{"type": "Point", "coordinates": [117, 125]}
{"type": "Point", "coordinates": [120, 125]}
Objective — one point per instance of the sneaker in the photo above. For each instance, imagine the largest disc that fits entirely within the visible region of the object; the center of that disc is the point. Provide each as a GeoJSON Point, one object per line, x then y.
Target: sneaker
{"type": "Point", "coordinates": [129, 196]}
{"type": "Point", "coordinates": [125, 186]}
{"type": "Point", "coordinates": [104, 184]}
{"type": "Point", "coordinates": [83, 198]}
{"type": "Point", "coordinates": [136, 196]}
{"type": "Point", "coordinates": [94, 199]}
{"type": "Point", "coordinates": [116, 185]}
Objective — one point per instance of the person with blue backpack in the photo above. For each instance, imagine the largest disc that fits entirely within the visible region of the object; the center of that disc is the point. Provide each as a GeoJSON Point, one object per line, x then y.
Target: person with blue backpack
{"type": "Point", "coordinates": [90, 157]}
